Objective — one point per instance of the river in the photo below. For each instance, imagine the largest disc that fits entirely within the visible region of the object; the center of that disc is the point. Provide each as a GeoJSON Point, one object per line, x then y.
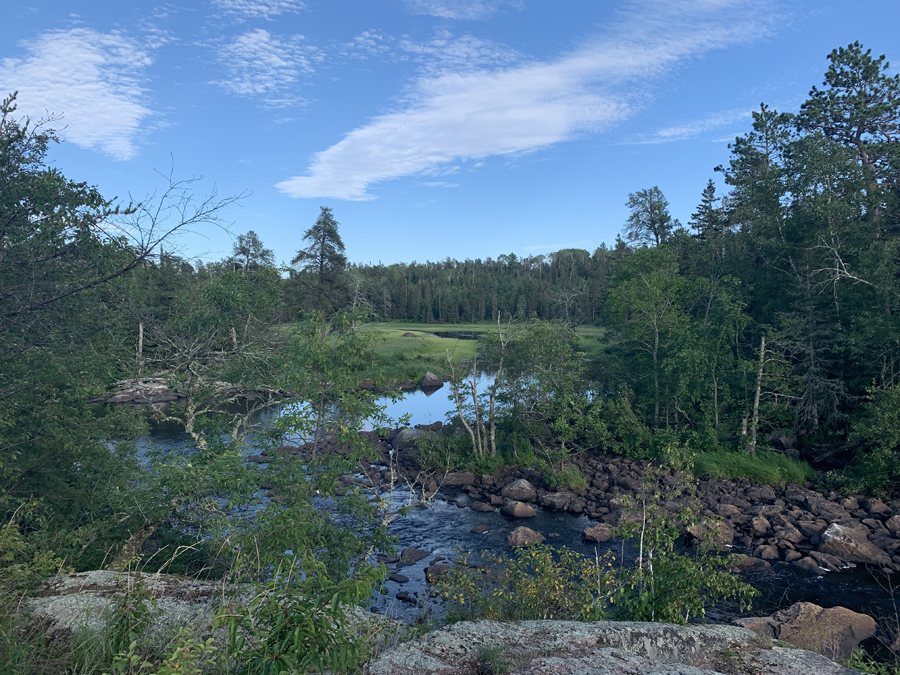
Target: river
{"type": "Point", "coordinates": [443, 529]}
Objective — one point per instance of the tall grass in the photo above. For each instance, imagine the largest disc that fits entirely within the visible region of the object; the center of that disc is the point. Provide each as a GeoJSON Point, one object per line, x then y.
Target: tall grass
{"type": "Point", "coordinates": [766, 467]}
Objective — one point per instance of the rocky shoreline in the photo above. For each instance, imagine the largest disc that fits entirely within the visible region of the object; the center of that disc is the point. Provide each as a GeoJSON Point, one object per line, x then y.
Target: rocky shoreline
{"type": "Point", "coordinates": [811, 530]}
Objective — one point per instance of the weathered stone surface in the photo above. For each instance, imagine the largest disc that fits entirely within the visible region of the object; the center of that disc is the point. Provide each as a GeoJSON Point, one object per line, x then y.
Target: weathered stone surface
{"type": "Point", "coordinates": [833, 632]}
{"type": "Point", "coordinates": [70, 603]}
{"type": "Point", "coordinates": [431, 381]}
{"type": "Point", "coordinates": [597, 534]}
{"type": "Point", "coordinates": [759, 527]}
{"type": "Point", "coordinates": [599, 648]}
{"type": "Point", "coordinates": [434, 572]}
{"type": "Point", "coordinates": [515, 509]}
{"type": "Point", "coordinates": [557, 501]}
{"type": "Point", "coordinates": [399, 578]}
{"type": "Point", "coordinates": [766, 552]}
{"type": "Point", "coordinates": [458, 479]}
{"type": "Point", "coordinates": [410, 556]}
{"type": "Point", "coordinates": [808, 565]}
{"type": "Point", "coordinates": [481, 506]}
{"type": "Point", "coordinates": [893, 524]}
{"type": "Point", "coordinates": [406, 439]}
{"type": "Point", "coordinates": [520, 490]}
{"type": "Point", "coordinates": [852, 543]}
{"type": "Point", "coordinates": [480, 529]}
{"type": "Point", "coordinates": [712, 532]}
{"type": "Point", "coordinates": [524, 536]}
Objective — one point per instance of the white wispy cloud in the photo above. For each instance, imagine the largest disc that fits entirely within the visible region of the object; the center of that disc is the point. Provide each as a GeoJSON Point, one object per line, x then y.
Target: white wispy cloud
{"type": "Point", "coordinates": [692, 128]}
{"type": "Point", "coordinates": [367, 44]}
{"type": "Point", "coordinates": [259, 9]}
{"type": "Point", "coordinates": [446, 52]}
{"type": "Point", "coordinates": [440, 183]}
{"type": "Point", "coordinates": [462, 10]}
{"type": "Point", "coordinates": [93, 79]}
{"type": "Point", "coordinates": [260, 64]}
{"type": "Point", "coordinates": [473, 114]}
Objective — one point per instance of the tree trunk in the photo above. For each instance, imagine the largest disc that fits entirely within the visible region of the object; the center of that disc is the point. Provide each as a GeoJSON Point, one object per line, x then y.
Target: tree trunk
{"type": "Point", "coordinates": [140, 349]}
{"type": "Point", "coordinates": [751, 448]}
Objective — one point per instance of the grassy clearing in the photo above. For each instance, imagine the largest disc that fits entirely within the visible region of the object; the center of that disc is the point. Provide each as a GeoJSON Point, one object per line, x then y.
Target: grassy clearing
{"type": "Point", "coordinates": [401, 354]}
{"type": "Point", "coordinates": [767, 467]}
{"type": "Point", "coordinates": [408, 358]}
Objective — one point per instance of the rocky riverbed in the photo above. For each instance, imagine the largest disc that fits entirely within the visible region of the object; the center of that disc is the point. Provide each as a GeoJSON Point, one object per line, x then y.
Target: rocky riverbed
{"type": "Point", "coordinates": [813, 531]}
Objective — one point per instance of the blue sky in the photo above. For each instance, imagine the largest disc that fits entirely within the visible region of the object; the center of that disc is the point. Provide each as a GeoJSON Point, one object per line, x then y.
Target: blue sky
{"type": "Point", "coordinates": [432, 128]}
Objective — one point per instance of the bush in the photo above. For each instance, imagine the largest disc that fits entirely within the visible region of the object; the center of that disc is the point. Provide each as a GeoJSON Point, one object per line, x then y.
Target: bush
{"type": "Point", "coordinates": [665, 584]}
{"type": "Point", "coordinates": [537, 582]}
{"type": "Point", "coordinates": [876, 469]}
{"type": "Point", "coordinates": [569, 479]}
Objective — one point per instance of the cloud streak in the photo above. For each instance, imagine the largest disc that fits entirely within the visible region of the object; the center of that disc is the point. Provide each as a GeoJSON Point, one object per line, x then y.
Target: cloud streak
{"type": "Point", "coordinates": [259, 9]}
{"type": "Point", "coordinates": [691, 129]}
{"type": "Point", "coordinates": [261, 64]}
{"type": "Point", "coordinates": [461, 10]}
{"type": "Point", "coordinates": [473, 114]}
{"type": "Point", "coordinates": [93, 79]}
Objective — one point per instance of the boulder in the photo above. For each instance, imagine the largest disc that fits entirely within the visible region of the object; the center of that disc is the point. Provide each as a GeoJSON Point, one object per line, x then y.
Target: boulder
{"type": "Point", "coordinates": [833, 632]}
{"type": "Point", "coordinates": [480, 529]}
{"type": "Point", "coordinates": [458, 479]}
{"type": "Point", "coordinates": [406, 439]}
{"type": "Point", "coordinates": [852, 543]}
{"type": "Point", "coordinates": [520, 490]}
{"type": "Point", "coordinates": [597, 648]}
{"type": "Point", "coordinates": [481, 506]}
{"type": "Point", "coordinates": [759, 527]}
{"type": "Point", "coordinates": [557, 501]}
{"type": "Point", "coordinates": [410, 556]}
{"type": "Point", "coordinates": [893, 524]}
{"type": "Point", "coordinates": [712, 533]}
{"type": "Point", "coordinates": [515, 509]}
{"type": "Point", "coordinates": [524, 536]}
{"type": "Point", "coordinates": [434, 572]}
{"type": "Point", "coordinates": [431, 381]}
{"type": "Point", "coordinates": [597, 534]}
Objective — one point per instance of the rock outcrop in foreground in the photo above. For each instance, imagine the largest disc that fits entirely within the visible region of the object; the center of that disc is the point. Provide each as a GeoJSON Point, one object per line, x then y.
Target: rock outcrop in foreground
{"type": "Point", "coordinates": [598, 648]}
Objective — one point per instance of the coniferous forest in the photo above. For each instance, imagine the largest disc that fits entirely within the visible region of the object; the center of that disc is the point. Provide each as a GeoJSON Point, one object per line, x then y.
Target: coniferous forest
{"type": "Point", "coordinates": [770, 320]}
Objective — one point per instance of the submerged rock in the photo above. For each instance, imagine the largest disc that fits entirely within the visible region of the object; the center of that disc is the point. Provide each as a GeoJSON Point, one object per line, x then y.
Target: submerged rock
{"type": "Point", "coordinates": [515, 509]}
{"type": "Point", "coordinates": [524, 536]}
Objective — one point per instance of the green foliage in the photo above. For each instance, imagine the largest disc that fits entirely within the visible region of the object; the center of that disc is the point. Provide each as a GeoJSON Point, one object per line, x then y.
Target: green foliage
{"type": "Point", "coordinates": [665, 584]}
{"type": "Point", "coordinates": [569, 479]}
{"type": "Point", "coordinates": [859, 660]}
{"type": "Point", "coordinates": [877, 466]}
{"type": "Point", "coordinates": [491, 661]}
{"type": "Point", "coordinates": [537, 582]}
{"type": "Point", "coordinates": [295, 626]}
{"type": "Point", "coordinates": [189, 656]}
{"type": "Point", "coordinates": [771, 468]}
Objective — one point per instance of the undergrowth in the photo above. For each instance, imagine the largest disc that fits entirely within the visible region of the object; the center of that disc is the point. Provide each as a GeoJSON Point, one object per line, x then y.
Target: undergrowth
{"type": "Point", "coordinates": [770, 468]}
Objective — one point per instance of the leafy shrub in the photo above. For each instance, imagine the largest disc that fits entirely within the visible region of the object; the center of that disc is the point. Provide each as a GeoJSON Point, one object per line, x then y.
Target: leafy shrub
{"type": "Point", "coordinates": [665, 584]}
{"type": "Point", "coordinates": [569, 479]}
{"type": "Point", "coordinates": [537, 582]}
{"type": "Point", "coordinates": [876, 469]}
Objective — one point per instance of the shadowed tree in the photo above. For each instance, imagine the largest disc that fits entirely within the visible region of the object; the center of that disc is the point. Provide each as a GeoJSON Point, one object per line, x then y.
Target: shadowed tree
{"type": "Point", "coordinates": [650, 223]}
{"type": "Point", "coordinates": [322, 263]}
{"type": "Point", "coordinates": [250, 254]}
